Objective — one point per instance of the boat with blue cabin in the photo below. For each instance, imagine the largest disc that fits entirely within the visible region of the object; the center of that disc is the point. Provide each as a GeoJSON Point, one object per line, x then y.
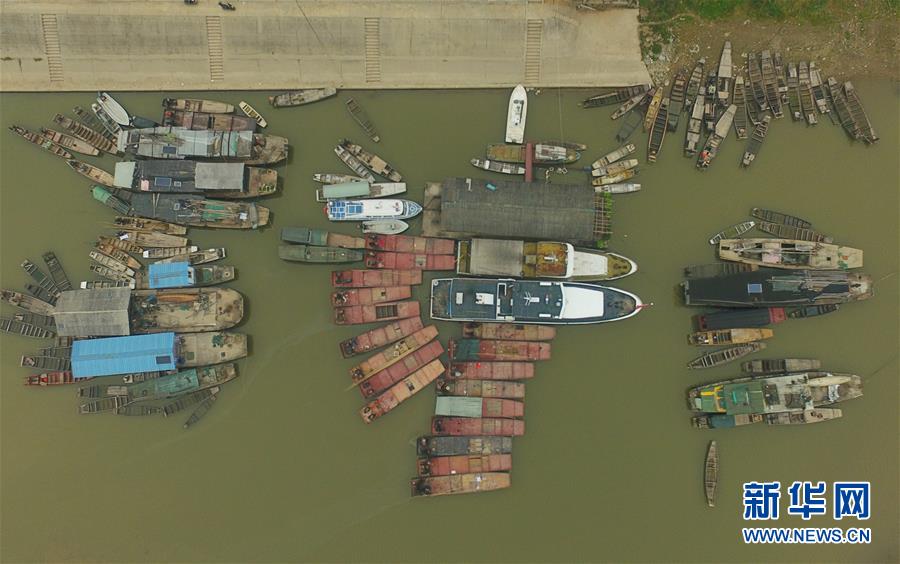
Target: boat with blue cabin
{"type": "Point", "coordinates": [363, 210]}
{"type": "Point", "coordinates": [529, 301]}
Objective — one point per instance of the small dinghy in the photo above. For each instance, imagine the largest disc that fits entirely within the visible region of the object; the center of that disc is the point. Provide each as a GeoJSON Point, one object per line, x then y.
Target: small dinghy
{"type": "Point", "coordinates": [113, 109]}
{"type": "Point", "coordinates": [515, 116]}
{"type": "Point", "coordinates": [250, 112]}
{"type": "Point", "coordinates": [732, 232]}
{"type": "Point", "coordinates": [385, 226]}
{"type": "Point", "coordinates": [711, 474]}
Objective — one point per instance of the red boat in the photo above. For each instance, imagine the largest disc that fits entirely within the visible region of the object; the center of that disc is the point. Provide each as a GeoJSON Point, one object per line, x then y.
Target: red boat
{"type": "Point", "coordinates": [480, 388]}
{"type": "Point", "coordinates": [490, 371]}
{"type": "Point", "coordinates": [394, 354]}
{"type": "Point", "coordinates": [52, 379]}
{"type": "Point", "coordinates": [509, 331]}
{"type": "Point", "coordinates": [355, 315]}
{"type": "Point", "coordinates": [401, 391]}
{"type": "Point", "coordinates": [380, 336]}
{"type": "Point", "coordinates": [367, 296]}
{"type": "Point", "coordinates": [465, 426]}
{"type": "Point", "coordinates": [406, 261]}
{"type": "Point", "coordinates": [375, 278]}
{"type": "Point", "coordinates": [407, 244]}
{"type": "Point", "coordinates": [459, 483]}
{"type": "Point", "coordinates": [477, 349]}
{"type": "Point", "coordinates": [389, 376]}
{"type": "Point", "coordinates": [479, 407]}
{"type": "Point", "coordinates": [464, 464]}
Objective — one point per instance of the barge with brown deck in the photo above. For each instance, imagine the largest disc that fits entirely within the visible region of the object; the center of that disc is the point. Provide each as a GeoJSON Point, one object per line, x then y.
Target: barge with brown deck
{"type": "Point", "coordinates": [380, 336]}
{"type": "Point", "coordinates": [375, 278]}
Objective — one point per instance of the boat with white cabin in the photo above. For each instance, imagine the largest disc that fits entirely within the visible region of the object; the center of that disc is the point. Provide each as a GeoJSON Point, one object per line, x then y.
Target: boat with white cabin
{"type": "Point", "coordinates": [516, 114]}
{"type": "Point", "coordinates": [363, 210]}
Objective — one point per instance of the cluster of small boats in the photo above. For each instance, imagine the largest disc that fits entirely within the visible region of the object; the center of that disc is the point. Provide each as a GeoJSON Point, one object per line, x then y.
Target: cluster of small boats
{"type": "Point", "coordinates": [717, 100]}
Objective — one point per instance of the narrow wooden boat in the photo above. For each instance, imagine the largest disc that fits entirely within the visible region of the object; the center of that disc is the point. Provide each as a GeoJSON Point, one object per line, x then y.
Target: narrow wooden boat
{"type": "Point", "coordinates": [26, 302]}
{"type": "Point", "coordinates": [617, 178]}
{"type": "Point", "coordinates": [618, 188]}
{"type": "Point", "coordinates": [321, 238]}
{"type": "Point", "coordinates": [710, 102]}
{"type": "Point", "coordinates": [480, 389]}
{"type": "Point", "coordinates": [459, 406]}
{"type": "Point", "coordinates": [779, 365]}
{"type": "Point", "coordinates": [362, 119]}
{"type": "Point", "coordinates": [842, 109]}
{"type": "Point", "coordinates": [463, 464]}
{"type": "Point", "coordinates": [97, 284]}
{"type": "Point", "coordinates": [580, 147]}
{"type": "Point", "coordinates": [329, 178]}
{"type": "Point", "coordinates": [144, 224]}
{"type": "Point", "coordinates": [42, 321]}
{"type": "Point", "coordinates": [52, 363]}
{"type": "Point", "coordinates": [516, 114]}
{"type": "Point", "coordinates": [375, 278]}
{"type": "Point", "coordinates": [494, 166]}
{"type": "Point", "coordinates": [790, 254]}
{"type": "Point", "coordinates": [194, 258]}
{"type": "Point", "coordinates": [714, 141]}
{"type": "Point", "coordinates": [778, 217]}
{"type": "Point", "coordinates": [729, 337]}
{"type": "Point", "coordinates": [402, 348]}
{"type": "Point", "coordinates": [310, 253]}
{"type": "Point", "coordinates": [653, 108]}
{"type": "Point", "coordinates": [301, 97]}
{"type": "Point", "coordinates": [110, 199]}
{"type": "Point", "coordinates": [41, 141]}
{"type": "Point", "coordinates": [818, 89]}
{"type": "Point", "coordinates": [384, 226]}
{"type": "Point", "coordinates": [614, 96]}
{"type": "Point", "coordinates": [354, 163]}
{"type": "Point", "coordinates": [111, 263]}
{"type": "Point", "coordinates": [459, 484]}
{"type": "Point", "coordinates": [694, 83]}
{"type": "Point", "coordinates": [613, 156]}
{"type": "Point", "coordinates": [615, 168]}
{"type": "Point", "coordinates": [58, 378]}
{"type": "Point", "coordinates": [488, 426]}
{"type": "Point", "coordinates": [155, 239]}
{"type": "Point", "coordinates": [123, 244]}
{"type": "Point", "coordinates": [711, 474]}
{"type": "Point", "coordinates": [56, 271]}
{"type": "Point", "coordinates": [197, 105]}
{"type": "Point", "coordinates": [380, 336]}
{"type": "Point", "coordinates": [367, 296]}
{"type": "Point", "coordinates": [658, 131]}
{"type": "Point", "coordinates": [724, 356]}
{"type": "Point", "coordinates": [793, 84]}
{"type": "Point", "coordinates": [756, 103]}
{"type": "Point", "coordinates": [69, 142]}
{"type": "Point", "coordinates": [372, 161]}
{"type": "Point", "coordinates": [354, 315]}
{"type": "Point", "coordinates": [108, 123]}
{"type": "Point", "coordinates": [732, 232]}
{"type": "Point", "coordinates": [202, 408]}
{"type": "Point", "coordinates": [724, 77]}
{"type": "Point", "coordinates": [740, 317]}
{"type": "Point", "coordinates": [813, 310]}
{"type": "Point", "coordinates": [385, 379]}
{"type": "Point", "coordinates": [93, 173]}
{"type": "Point", "coordinates": [401, 391]}
{"type": "Point", "coordinates": [630, 124]}
{"type": "Point", "coordinates": [112, 274]}
{"type": "Point", "coordinates": [694, 128]}
{"type": "Point", "coordinates": [792, 232]}
{"type": "Point", "coordinates": [157, 253]}
{"type": "Point", "coordinates": [806, 95]}
{"type": "Point", "coordinates": [40, 293]}
{"type": "Point", "coordinates": [43, 281]}
{"type": "Point", "coordinates": [805, 417]}
{"type": "Point", "coordinates": [781, 79]}
{"type": "Point", "coordinates": [740, 117]}
{"type": "Point", "coordinates": [629, 105]}
{"type": "Point", "coordinates": [15, 327]}
{"type": "Point", "coordinates": [676, 97]}
{"type": "Point", "coordinates": [187, 401]}
{"type": "Point", "coordinates": [251, 113]}
{"type": "Point", "coordinates": [544, 154]}
{"type": "Point", "coordinates": [716, 269]}
{"type": "Point", "coordinates": [491, 350]}
{"type": "Point", "coordinates": [756, 141]}
{"type": "Point", "coordinates": [113, 109]}
{"type": "Point", "coordinates": [406, 244]}
{"type": "Point", "coordinates": [203, 121]}
{"type": "Point", "coordinates": [859, 114]}
{"type": "Point", "coordinates": [119, 255]}
{"type": "Point", "coordinates": [86, 134]}
{"type": "Point", "coordinates": [509, 331]}
{"type": "Point", "coordinates": [770, 84]}
{"type": "Point", "coordinates": [490, 371]}
{"type": "Point", "coordinates": [409, 261]}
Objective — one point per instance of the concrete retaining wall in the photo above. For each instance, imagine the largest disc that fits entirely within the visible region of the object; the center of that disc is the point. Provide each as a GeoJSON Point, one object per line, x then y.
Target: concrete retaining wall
{"type": "Point", "coordinates": [285, 44]}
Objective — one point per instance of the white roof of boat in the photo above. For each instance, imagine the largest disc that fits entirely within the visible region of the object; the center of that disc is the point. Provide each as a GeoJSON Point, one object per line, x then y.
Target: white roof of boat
{"type": "Point", "coordinates": [580, 302]}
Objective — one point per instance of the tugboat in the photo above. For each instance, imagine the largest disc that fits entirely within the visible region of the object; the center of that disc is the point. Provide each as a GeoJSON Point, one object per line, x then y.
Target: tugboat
{"type": "Point", "coordinates": [526, 301]}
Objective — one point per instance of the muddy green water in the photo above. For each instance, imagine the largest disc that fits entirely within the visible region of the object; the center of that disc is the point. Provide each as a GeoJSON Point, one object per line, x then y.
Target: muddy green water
{"type": "Point", "coordinates": [283, 469]}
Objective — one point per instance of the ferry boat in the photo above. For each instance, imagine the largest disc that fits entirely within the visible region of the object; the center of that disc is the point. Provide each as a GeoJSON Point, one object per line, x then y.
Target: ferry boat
{"type": "Point", "coordinates": [363, 210]}
{"type": "Point", "coordinates": [516, 114]}
{"type": "Point", "coordinates": [526, 301]}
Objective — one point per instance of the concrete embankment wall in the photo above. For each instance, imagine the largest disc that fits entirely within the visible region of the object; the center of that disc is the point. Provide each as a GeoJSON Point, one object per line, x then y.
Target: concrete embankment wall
{"type": "Point", "coordinates": [282, 44]}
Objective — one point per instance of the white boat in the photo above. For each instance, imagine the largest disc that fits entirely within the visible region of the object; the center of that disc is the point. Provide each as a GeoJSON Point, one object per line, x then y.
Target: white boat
{"type": "Point", "coordinates": [620, 188]}
{"type": "Point", "coordinates": [494, 166]}
{"type": "Point", "coordinates": [359, 190]}
{"type": "Point", "coordinates": [362, 210]}
{"type": "Point", "coordinates": [515, 116]}
{"type": "Point", "coordinates": [250, 112]}
{"type": "Point", "coordinates": [113, 109]}
{"type": "Point", "coordinates": [385, 226]}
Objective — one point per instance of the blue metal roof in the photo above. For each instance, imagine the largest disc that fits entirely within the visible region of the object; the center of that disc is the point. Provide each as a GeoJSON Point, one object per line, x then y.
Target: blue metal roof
{"type": "Point", "coordinates": [170, 275]}
{"type": "Point", "coordinates": [123, 355]}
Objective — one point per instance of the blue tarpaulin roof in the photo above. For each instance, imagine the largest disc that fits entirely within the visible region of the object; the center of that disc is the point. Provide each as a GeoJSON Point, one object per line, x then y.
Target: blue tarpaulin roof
{"type": "Point", "coordinates": [170, 275]}
{"type": "Point", "coordinates": [123, 355]}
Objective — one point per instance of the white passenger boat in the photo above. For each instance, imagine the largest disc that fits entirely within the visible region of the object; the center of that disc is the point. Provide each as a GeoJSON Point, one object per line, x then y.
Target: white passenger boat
{"type": "Point", "coordinates": [113, 109]}
{"type": "Point", "coordinates": [515, 116]}
{"type": "Point", "coordinates": [362, 210]}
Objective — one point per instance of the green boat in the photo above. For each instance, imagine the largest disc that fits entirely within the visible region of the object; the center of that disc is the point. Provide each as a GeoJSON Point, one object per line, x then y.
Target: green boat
{"type": "Point", "coordinates": [307, 253]}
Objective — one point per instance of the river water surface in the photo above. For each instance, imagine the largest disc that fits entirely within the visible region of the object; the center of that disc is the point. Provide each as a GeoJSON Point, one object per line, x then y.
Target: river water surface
{"type": "Point", "coordinates": [283, 469]}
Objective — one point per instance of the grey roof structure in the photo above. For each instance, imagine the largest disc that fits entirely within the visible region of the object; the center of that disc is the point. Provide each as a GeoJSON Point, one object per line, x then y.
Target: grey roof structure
{"type": "Point", "coordinates": [96, 312]}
